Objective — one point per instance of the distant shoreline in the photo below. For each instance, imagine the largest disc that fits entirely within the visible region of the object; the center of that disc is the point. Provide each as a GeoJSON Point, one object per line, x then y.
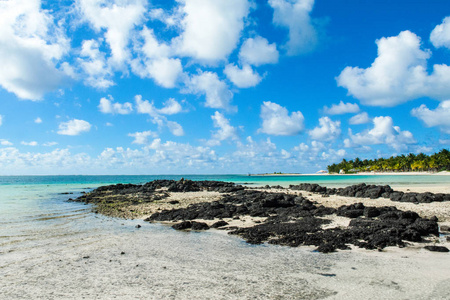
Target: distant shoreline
{"type": "Point", "coordinates": [359, 173]}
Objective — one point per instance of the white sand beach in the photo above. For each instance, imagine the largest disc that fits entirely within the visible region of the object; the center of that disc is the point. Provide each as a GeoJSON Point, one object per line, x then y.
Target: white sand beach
{"type": "Point", "coordinates": [156, 262]}
{"type": "Point", "coordinates": [111, 258]}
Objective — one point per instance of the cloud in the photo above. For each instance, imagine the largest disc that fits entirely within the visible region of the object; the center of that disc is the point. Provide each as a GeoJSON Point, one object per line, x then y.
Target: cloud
{"type": "Point", "coordinates": [216, 91]}
{"type": "Point", "coordinates": [253, 152]}
{"type": "Point", "coordinates": [327, 131]}
{"type": "Point", "coordinates": [295, 16]}
{"type": "Point", "coordinates": [341, 108]}
{"type": "Point", "coordinates": [257, 51]}
{"type": "Point", "coordinates": [142, 137]}
{"type": "Point", "coordinates": [383, 132]}
{"type": "Point", "coordinates": [165, 71]}
{"type": "Point", "coordinates": [38, 120]}
{"type": "Point", "coordinates": [211, 29]}
{"type": "Point", "coordinates": [74, 127]}
{"type": "Point", "coordinates": [31, 47]}
{"type": "Point", "coordinates": [397, 75]}
{"type": "Point", "coordinates": [242, 78]}
{"type": "Point", "coordinates": [107, 106]}
{"type": "Point", "coordinates": [117, 19]}
{"type": "Point", "coordinates": [172, 154]}
{"type": "Point", "coordinates": [32, 143]}
{"type": "Point", "coordinates": [440, 36]}
{"type": "Point", "coordinates": [175, 128]}
{"type": "Point", "coordinates": [277, 121]}
{"type": "Point", "coordinates": [439, 117]}
{"type": "Point", "coordinates": [225, 130]}
{"type": "Point", "coordinates": [93, 62]}
{"type": "Point", "coordinates": [361, 118]}
{"type": "Point", "coordinates": [5, 142]}
{"type": "Point", "coordinates": [50, 144]}
{"type": "Point", "coordinates": [170, 107]}
{"type": "Point", "coordinates": [1, 120]}
{"type": "Point", "coordinates": [155, 61]}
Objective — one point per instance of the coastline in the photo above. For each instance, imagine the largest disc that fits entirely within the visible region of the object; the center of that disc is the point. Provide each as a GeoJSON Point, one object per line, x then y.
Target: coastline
{"type": "Point", "coordinates": [249, 212]}
{"type": "Point", "coordinates": [442, 173]}
{"type": "Point", "coordinates": [93, 256]}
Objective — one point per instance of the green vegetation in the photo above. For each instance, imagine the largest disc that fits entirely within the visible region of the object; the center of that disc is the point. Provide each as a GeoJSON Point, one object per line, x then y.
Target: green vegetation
{"type": "Point", "coordinates": [404, 163]}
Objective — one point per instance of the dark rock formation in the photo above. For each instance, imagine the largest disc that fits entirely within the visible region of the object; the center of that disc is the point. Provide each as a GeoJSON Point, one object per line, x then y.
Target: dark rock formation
{"type": "Point", "coordinates": [293, 221]}
{"type": "Point", "coordinates": [372, 191]}
{"type": "Point", "coordinates": [286, 219]}
{"type": "Point", "coordinates": [437, 248]}
{"type": "Point", "coordinates": [191, 225]}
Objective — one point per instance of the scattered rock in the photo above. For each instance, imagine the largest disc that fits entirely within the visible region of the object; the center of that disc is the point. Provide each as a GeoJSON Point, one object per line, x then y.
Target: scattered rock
{"type": "Point", "coordinates": [445, 228]}
{"type": "Point", "coordinates": [138, 226]}
{"type": "Point", "coordinates": [437, 248]}
{"type": "Point", "coordinates": [372, 191]}
{"type": "Point", "coordinates": [219, 224]}
{"type": "Point", "coordinates": [191, 225]}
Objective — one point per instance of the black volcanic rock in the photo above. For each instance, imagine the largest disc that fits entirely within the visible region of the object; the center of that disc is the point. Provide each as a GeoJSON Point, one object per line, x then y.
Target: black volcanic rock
{"type": "Point", "coordinates": [437, 248]}
{"type": "Point", "coordinates": [363, 190]}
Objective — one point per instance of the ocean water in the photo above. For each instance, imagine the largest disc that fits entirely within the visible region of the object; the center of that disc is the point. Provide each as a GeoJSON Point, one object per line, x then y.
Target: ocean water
{"type": "Point", "coordinates": [40, 231]}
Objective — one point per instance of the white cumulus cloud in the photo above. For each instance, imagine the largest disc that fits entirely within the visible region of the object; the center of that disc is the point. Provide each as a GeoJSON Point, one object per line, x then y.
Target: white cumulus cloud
{"type": "Point", "coordinates": [242, 78]}
{"type": "Point", "coordinates": [397, 75]}
{"type": "Point", "coordinates": [93, 63]}
{"type": "Point", "coordinates": [31, 46]}
{"type": "Point", "coordinates": [383, 132]}
{"type": "Point", "coordinates": [277, 121]}
{"type": "Point", "coordinates": [107, 106]}
{"type": "Point", "coordinates": [37, 120]}
{"type": "Point", "coordinates": [440, 36]}
{"type": "Point", "coordinates": [327, 131]}
{"type": "Point", "coordinates": [165, 71]}
{"type": "Point", "coordinates": [257, 51]}
{"type": "Point", "coordinates": [142, 137]}
{"type": "Point", "coordinates": [216, 91]}
{"type": "Point", "coordinates": [361, 118]}
{"type": "Point", "coordinates": [74, 127]}
{"type": "Point", "coordinates": [341, 108]}
{"type": "Point", "coordinates": [211, 29]}
{"type": "Point", "coordinates": [175, 128]}
{"type": "Point", "coordinates": [32, 143]}
{"type": "Point", "coordinates": [439, 117]}
{"type": "Point", "coordinates": [224, 130]}
{"type": "Point", "coordinates": [4, 142]}
{"type": "Point", "coordinates": [117, 19]}
{"type": "Point", "coordinates": [295, 16]}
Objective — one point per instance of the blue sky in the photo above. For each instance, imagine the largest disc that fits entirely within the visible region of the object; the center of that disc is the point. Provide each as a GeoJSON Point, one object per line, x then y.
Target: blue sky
{"type": "Point", "coordinates": [219, 86]}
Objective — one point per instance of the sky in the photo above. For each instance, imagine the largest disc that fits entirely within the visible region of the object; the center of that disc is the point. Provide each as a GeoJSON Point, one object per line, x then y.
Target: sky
{"type": "Point", "coordinates": [219, 86]}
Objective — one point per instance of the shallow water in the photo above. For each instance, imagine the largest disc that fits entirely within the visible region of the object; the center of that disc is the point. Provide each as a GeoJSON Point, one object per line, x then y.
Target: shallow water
{"type": "Point", "coordinates": [51, 248]}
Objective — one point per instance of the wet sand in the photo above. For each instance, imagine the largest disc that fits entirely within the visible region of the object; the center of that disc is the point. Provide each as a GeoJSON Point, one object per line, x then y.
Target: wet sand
{"type": "Point", "coordinates": [161, 263]}
{"type": "Point", "coordinates": [106, 258]}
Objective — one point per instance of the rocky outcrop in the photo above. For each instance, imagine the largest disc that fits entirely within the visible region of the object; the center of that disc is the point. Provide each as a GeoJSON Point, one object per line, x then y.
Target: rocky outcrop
{"type": "Point", "coordinates": [294, 221]}
{"type": "Point", "coordinates": [372, 191]}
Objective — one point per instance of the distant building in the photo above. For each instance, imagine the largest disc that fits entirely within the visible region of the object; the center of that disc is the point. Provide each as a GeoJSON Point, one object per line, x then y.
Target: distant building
{"type": "Point", "coordinates": [341, 171]}
{"type": "Point", "coordinates": [322, 172]}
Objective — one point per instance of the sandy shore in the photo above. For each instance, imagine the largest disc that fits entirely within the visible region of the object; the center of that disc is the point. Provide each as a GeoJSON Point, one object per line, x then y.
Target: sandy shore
{"type": "Point", "coordinates": [100, 257]}
{"type": "Point", "coordinates": [118, 261]}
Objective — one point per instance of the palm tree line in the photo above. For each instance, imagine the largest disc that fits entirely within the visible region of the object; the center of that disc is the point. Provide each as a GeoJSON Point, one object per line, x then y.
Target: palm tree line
{"type": "Point", "coordinates": [403, 163]}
